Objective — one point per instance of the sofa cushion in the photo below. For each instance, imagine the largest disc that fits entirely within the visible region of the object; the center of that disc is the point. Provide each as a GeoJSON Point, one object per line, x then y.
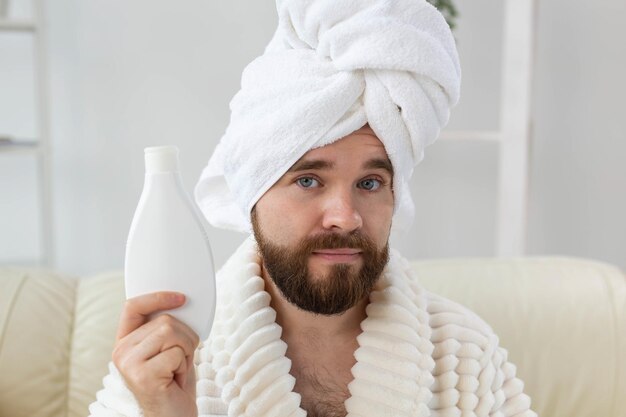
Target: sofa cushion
{"type": "Point", "coordinates": [36, 320]}
{"type": "Point", "coordinates": [56, 337]}
{"type": "Point", "coordinates": [99, 300]}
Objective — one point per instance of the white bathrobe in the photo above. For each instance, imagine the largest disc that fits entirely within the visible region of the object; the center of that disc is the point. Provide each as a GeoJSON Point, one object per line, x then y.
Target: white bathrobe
{"type": "Point", "coordinates": [419, 355]}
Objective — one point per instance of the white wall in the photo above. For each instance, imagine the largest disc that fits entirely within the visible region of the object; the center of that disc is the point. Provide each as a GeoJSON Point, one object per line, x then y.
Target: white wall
{"type": "Point", "coordinates": [125, 75]}
{"type": "Point", "coordinates": [578, 181]}
{"type": "Point", "coordinates": [138, 74]}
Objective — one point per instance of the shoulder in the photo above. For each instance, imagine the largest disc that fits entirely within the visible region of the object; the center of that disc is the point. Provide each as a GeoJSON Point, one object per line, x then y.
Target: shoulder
{"type": "Point", "coordinates": [461, 339]}
{"type": "Point", "coordinates": [472, 371]}
{"type": "Point", "coordinates": [446, 318]}
{"type": "Point", "coordinates": [451, 320]}
{"type": "Point", "coordinates": [463, 343]}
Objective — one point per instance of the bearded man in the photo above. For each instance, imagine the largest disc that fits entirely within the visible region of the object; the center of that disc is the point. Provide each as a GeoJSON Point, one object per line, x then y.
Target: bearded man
{"type": "Point", "coordinates": [315, 314]}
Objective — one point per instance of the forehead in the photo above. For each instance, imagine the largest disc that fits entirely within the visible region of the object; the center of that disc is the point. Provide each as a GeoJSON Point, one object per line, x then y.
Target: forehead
{"type": "Point", "coordinates": [362, 144]}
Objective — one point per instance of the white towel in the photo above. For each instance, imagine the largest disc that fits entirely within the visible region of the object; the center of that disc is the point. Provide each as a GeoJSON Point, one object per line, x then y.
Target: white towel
{"type": "Point", "coordinates": [331, 67]}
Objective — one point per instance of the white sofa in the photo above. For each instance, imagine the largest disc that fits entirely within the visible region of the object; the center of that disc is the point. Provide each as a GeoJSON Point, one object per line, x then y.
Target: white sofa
{"type": "Point", "coordinates": [563, 321]}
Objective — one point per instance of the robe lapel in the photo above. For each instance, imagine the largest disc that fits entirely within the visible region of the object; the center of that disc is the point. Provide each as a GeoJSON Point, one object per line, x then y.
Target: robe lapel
{"type": "Point", "coordinates": [393, 373]}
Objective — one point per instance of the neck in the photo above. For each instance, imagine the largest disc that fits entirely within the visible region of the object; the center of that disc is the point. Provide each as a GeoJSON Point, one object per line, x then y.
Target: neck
{"type": "Point", "coordinates": [300, 326]}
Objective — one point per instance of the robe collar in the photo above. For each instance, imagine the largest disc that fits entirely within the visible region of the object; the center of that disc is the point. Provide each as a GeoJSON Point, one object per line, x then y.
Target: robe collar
{"type": "Point", "coordinates": [394, 366]}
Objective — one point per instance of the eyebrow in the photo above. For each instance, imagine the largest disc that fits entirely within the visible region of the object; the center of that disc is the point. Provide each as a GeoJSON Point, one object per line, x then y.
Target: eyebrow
{"type": "Point", "coordinates": [379, 163]}
{"type": "Point", "coordinates": [311, 164]}
{"type": "Point", "coordinates": [321, 164]}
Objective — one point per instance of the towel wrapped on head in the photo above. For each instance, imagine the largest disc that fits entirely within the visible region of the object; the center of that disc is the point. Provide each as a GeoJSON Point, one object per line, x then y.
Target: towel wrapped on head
{"type": "Point", "coordinates": [331, 67]}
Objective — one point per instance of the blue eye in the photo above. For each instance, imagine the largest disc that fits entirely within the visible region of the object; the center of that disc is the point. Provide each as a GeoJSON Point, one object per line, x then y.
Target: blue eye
{"type": "Point", "coordinates": [307, 182]}
{"type": "Point", "coordinates": [370, 184]}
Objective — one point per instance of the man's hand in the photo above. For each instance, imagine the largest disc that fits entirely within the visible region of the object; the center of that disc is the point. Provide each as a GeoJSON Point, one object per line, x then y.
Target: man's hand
{"type": "Point", "coordinates": [156, 357]}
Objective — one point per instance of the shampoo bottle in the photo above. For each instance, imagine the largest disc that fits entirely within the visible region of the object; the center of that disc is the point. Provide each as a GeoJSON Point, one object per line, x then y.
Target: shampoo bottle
{"type": "Point", "coordinates": [168, 247]}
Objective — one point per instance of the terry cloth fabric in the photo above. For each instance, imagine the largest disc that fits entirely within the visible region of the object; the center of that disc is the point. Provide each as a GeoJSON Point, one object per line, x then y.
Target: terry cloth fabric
{"type": "Point", "coordinates": [419, 355]}
{"type": "Point", "coordinates": [331, 67]}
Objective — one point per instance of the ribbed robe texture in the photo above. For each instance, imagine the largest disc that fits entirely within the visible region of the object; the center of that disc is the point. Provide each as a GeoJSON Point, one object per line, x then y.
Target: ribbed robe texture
{"type": "Point", "coordinates": [419, 355]}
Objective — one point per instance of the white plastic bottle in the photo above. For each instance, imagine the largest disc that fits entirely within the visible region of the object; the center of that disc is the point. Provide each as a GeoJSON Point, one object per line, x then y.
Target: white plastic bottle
{"type": "Point", "coordinates": [168, 248]}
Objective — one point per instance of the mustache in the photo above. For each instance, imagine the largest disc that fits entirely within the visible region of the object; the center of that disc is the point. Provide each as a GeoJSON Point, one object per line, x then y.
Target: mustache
{"type": "Point", "coordinates": [354, 240]}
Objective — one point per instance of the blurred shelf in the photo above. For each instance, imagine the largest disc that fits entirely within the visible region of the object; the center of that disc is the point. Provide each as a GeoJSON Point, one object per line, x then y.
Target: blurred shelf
{"type": "Point", "coordinates": [477, 135]}
{"type": "Point", "coordinates": [10, 145]}
{"type": "Point", "coordinates": [11, 25]}
{"type": "Point", "coordinates": [38, 146]}
{"type": "Point", "coordinates": [20, 263]}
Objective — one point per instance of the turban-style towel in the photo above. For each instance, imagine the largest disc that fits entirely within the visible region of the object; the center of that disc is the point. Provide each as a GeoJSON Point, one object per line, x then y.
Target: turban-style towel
{"type": "Point", "coordinates": [331, 67]}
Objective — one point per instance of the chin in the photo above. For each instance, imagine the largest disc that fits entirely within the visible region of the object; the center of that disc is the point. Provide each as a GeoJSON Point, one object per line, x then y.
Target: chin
{"type": "Point", "coordinates": [324, 272]}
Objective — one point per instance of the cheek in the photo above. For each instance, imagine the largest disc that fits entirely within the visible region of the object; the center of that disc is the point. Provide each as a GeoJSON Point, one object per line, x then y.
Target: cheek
{"type": "Point", "coordinates": [378, 221]}
{"type": "Point", "coordinates": [280, 220]}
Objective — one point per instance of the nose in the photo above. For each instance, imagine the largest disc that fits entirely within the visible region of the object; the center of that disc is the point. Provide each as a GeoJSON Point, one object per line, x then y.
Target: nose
{"type": "Point", "coordinates": [341, 213]}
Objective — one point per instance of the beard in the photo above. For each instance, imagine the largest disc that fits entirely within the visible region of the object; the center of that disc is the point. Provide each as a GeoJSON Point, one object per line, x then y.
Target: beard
{"type": "Point", "coordinates": [329, 294]}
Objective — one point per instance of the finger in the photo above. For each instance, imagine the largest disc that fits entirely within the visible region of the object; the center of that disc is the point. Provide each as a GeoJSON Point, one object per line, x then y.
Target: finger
{"type": "Point", "coordinates": [124, 346]}
{"type": "Point", "coordinates": [159, 324]}
{"type": "Point", "coordinates": [137, 310]}
{"type": "Point", "coordinates": [153, 374]}
{"type": "Point", "coordinates": [169, 364]}
{"type": "Point", "coordinates": [180, 374]}
{"type": "Point", "coordinates": [191, 373]}
{"type": "Point", "coordinates": [167, 334]}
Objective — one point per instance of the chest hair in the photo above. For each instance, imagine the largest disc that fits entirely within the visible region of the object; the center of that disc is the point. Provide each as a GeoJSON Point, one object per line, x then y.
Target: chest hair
{"type": "Point", "coordinates": [323, 392]}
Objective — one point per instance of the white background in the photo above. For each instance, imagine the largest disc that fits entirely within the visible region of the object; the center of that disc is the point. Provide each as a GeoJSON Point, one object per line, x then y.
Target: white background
{"type": "Point", "coordinates": [126, 75]}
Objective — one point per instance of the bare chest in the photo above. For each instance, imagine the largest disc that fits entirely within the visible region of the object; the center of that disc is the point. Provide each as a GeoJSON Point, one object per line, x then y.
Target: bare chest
{"type": "Point", "coordinates": [323, 389]}
{"type": "Point", "coordinates": [322, 369]}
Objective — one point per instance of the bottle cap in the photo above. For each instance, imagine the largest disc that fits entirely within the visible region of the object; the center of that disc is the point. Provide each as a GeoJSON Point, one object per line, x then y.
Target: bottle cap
{"type": "Point", "coordinates": [161, 159]}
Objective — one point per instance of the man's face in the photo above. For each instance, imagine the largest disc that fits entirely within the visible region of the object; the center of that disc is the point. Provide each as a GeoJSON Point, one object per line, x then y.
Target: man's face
{"type": "Point", "coordinates": [323, 228]}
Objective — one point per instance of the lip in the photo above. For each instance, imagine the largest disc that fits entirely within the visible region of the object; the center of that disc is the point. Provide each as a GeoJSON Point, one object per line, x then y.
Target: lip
{"type": "Point", "coordinates": [339, 251]}
{"type": "Point", "coordinates": [342, 255]}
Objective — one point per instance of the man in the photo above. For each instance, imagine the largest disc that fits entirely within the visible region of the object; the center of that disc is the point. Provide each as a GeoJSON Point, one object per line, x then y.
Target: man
{"type": "Point", "coordinates": [316, 315]}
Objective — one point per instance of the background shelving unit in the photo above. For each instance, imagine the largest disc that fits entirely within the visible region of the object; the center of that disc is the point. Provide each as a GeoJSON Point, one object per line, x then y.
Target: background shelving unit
{"type": "Point", "coordinates": [515, 131]}
{"type": "Point", "coordinates": [39, 146]}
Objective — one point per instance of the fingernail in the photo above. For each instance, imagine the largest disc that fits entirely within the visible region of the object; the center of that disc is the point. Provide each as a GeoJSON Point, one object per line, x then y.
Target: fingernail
{"type": "Point", "coordinates": [178, 297]}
